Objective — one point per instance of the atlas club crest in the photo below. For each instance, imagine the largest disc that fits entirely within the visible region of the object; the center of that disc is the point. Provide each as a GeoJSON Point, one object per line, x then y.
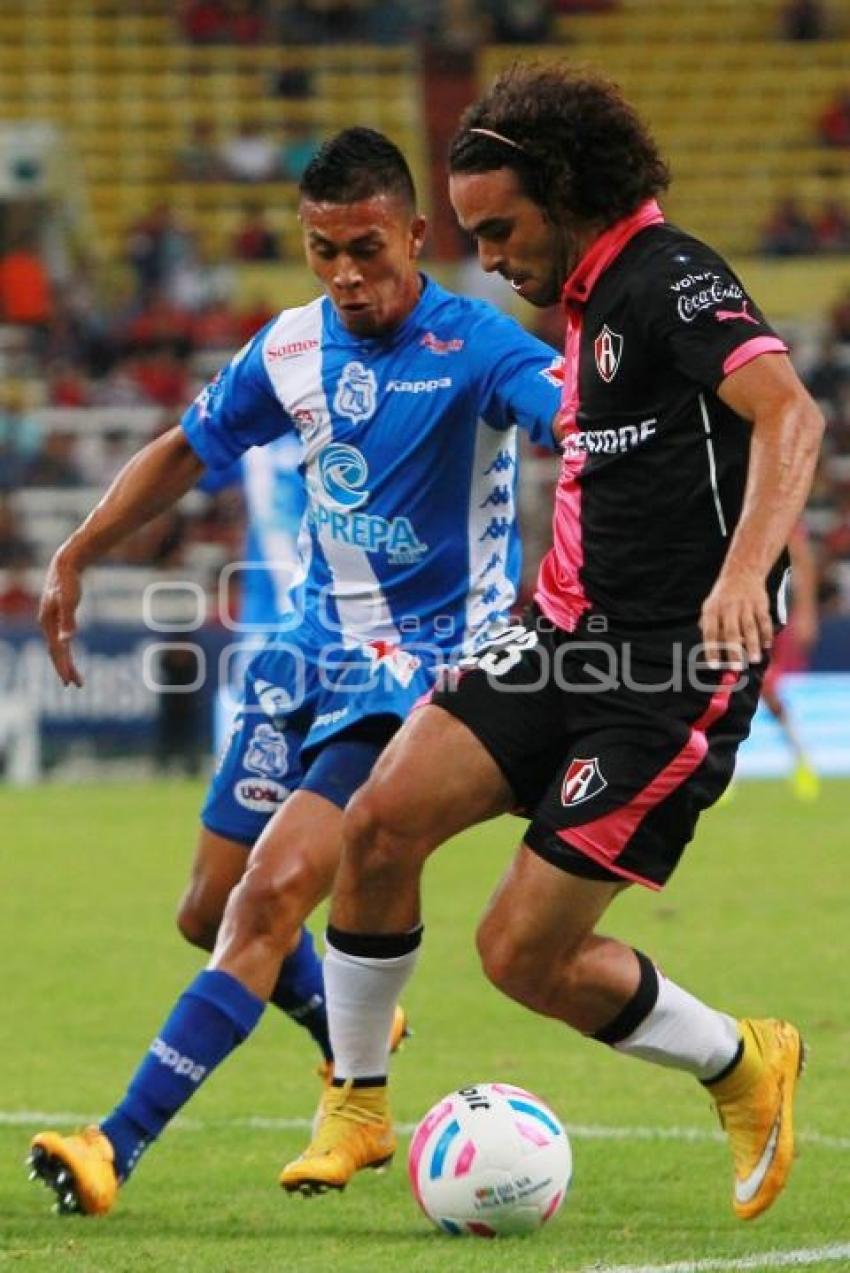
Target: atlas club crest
{"type": "Point", "coordinates": [608, 349]}
{"type": "Point", "coordinates": [582, 781]}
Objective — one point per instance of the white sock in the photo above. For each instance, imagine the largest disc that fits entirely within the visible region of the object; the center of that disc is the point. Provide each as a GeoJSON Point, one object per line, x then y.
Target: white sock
{"type": "Point", "coordinates": [683, 1033]}
{"type": "Point", "coordinates": [361, 994]}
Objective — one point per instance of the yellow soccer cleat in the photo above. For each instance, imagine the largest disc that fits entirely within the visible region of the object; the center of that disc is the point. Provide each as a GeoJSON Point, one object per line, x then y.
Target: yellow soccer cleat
{"type": "Point", "coordinates": [805, 783]}
{"type": "Point", "coordinates": [354, 1132]}
{"type": "Point", "coordinates": [78, 1168]}
{"type": "Point", "coordinates": [756, 1104]}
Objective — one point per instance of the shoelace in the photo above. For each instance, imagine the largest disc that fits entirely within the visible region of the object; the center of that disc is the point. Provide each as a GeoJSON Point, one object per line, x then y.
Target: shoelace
{"type": "Point", "coordinates": [341, 1106]}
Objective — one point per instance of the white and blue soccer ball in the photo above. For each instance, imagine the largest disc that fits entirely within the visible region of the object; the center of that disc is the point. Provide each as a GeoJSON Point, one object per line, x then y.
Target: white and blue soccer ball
{"type": "Point", "coordinates": [490, 1160]}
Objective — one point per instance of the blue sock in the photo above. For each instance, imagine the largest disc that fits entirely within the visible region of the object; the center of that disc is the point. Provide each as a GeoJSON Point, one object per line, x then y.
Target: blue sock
{"type": "Point", "coordinates": [300, 992]}
{"type": "Point", "coordinates": [212, 1016]}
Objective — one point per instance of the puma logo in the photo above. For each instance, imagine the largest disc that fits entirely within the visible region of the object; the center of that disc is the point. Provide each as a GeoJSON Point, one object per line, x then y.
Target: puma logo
{"type": "Point", "coordinates": [727, 315]}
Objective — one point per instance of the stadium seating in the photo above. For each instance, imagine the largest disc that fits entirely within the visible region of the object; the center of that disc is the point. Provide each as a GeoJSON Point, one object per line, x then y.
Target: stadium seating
{"type": "Point", "coordinates": [126, 89]}
{"type": "Point", "coordinates": [733, 107]}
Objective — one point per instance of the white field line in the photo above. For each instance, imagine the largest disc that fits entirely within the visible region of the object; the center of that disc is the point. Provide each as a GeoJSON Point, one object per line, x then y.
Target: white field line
{"type": "Point", "coordinates": [800, 1258]}
{"type": "Point", "coordinates": [578, 1131]}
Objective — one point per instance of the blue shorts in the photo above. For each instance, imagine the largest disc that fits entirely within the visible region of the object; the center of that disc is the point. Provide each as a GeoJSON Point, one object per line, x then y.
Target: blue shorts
{"type": "Point", "coordinates": [301, 692]}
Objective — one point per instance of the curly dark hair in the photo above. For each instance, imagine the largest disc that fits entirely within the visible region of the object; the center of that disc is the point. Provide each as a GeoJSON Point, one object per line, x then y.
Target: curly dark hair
{"type": "Point", "coordinates": [580, 148]}
{"type": "Point", "coordinates": [357, 164]}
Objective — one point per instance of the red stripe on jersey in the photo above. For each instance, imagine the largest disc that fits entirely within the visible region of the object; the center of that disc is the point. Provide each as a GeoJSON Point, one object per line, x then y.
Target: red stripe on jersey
{"type": "Point", "coordinates": [559, 592]}
{"type": "Point", "coordinates": [752, 349]}
{"type": "Point", "coordinates": [605, 838]}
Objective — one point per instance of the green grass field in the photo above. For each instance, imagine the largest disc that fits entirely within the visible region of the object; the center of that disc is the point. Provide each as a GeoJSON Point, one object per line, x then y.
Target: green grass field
{"type": "Point", "coordinates": [755, 922]}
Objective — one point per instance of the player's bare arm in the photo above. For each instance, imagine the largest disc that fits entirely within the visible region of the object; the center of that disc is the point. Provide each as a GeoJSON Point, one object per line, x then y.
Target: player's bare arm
{"type": "Point", "coordinates": [149, 484]}
{"type": "Point", "coordinates": [787, 429]}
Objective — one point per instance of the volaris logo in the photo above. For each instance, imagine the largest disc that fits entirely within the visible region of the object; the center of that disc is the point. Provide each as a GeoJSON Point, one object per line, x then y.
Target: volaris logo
{"type": "Point", "coordinates": [343, 472]}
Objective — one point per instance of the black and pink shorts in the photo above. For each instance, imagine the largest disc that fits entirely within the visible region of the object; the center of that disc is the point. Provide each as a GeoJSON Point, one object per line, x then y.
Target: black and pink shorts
{"type": "Point", "coordinates": [613, 746]}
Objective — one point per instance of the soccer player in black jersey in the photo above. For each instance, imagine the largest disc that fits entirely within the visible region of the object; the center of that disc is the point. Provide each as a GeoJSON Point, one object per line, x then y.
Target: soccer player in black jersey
{"type": "Point", "coordinates": [612, 714]}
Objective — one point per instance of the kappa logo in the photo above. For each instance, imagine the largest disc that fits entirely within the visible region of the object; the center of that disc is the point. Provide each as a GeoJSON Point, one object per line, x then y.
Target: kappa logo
{"type": "Point", "coordinates": [356, 393]}
{"type": "Point", "coordinates": [582, 781]}
{"type": "Point", "coordinates": [608, 349]}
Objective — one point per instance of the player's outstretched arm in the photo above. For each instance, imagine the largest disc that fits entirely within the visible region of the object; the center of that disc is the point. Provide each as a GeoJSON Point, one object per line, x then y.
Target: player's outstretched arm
{"type": "Point", "coordinates": [787, 430]}
{"type": "Point", "coordinates": [149, 484]}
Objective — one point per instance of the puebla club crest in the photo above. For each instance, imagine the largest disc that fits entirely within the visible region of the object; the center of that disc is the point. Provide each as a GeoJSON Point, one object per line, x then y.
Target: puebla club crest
{"type": "Point", "coordinates": [608, 349]}
{"type": "Point", "coordinates": [356, 393]}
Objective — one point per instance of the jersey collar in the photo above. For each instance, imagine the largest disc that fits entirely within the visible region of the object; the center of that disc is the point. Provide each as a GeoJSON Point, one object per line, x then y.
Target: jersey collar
{"type": "Point", "coordinates": [604, 250]}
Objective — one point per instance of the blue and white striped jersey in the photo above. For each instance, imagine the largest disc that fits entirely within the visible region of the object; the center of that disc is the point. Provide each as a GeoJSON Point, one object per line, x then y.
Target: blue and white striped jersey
{"type": "Point", "coordinates": [409, 458]}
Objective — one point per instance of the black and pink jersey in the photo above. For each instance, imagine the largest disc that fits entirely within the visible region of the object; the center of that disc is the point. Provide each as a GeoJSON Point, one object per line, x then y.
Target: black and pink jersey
{"type": "Point", "coordinates": [654, 464]}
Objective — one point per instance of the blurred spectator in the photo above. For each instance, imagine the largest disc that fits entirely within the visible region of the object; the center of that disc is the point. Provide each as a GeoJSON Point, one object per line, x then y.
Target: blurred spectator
{"type": "Point", "coordinates": [839, 319]}
{"type": "Point", "coordinates": [249, 155]}
{"type": "Point", "coordinates": [18, 603]}
{"type": "Point", "coordinates": [223, 21]}
{"type": "Point", "coordinates": [828, 379]}
{"type": "Point", "coordinates": [332, 21]}
{"type": "Point", "coordinates": [15, 550]}
{"type": "Point", "coordinates": [299, 146]}
{"type": "Point", "coordinates": [254, 240]}
{"type": "Point", "coordinates": [833, 124]}
{"type": "Point", "coordinates": [292, 82]}
{"type": "Point", "coordinates": [520, 21]}
{"type": "Point", "coordinates": [161, 324]}
{"type": "Point", "coordinates": [157, 244]}
{"type": "Point", "coordinates": [161, 375]}
{"type": "Point", "coordinates": [20, 436]}
{"type": "Point", "coordinates": [199, 281]}
{"type": "Point", "coordinates": [198, 159]}
{"type": "Point", "coordinates": [832, 228]}
{"type": "Point", "coordinates": [788, 231]}
{"type": "Point", "coordinates": [105, 456]}
{"type": "Point", "coordinates": [55, 464]}
{"type": "Point", "coordinates": [181, 726]}
{"type": "Point", "coordinates": [25, 291]}
{"type": "Point", "coordinates": [215, 326]}
{"type": "Point", "coordinates": [837, 539]}
{"type": "Point", "coordinates": [245, 23]}
{"type": "Point", "coordinates": [250, 320]}
{"type": "Point", "coordinates": [66, 385]}
{"type": "Point", "coordinates": [204, 21]}
{"type": "Point", "coordinates": [802, 20]}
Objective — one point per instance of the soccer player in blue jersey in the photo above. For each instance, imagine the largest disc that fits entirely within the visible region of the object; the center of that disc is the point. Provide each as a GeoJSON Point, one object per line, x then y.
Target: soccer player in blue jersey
{"type": "Point", "coordinates": [404, 398]}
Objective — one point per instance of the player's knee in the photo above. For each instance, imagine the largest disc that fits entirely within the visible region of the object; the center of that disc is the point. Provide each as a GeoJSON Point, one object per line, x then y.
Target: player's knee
{"type": "Point", "coordinates": [378, 836]}
{"type": "Point", "coordinates": [195, 922]}
{"type": "Point", "coordinates": [513, 962]}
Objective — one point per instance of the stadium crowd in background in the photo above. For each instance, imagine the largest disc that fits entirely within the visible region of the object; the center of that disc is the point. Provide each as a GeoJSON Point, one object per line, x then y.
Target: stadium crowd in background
{"type": "Point", "coordinates": [142, 331]}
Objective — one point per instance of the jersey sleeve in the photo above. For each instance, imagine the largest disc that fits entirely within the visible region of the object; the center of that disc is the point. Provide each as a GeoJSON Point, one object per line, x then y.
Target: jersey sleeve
{"type": "Point", "coordinates": [236, 410]}
{"type": "Point", "coordinates": [215, 480]}
{"type": "Point", "coordinates": [521, 378]}
{"type": "Point", "coordinates": [698, 312]}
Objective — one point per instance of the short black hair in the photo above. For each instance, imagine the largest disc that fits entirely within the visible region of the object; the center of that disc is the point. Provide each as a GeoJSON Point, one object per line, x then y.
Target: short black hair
{"type": "Point", "coordinates": [356, 164]}
{"type": "Point", "coordinates": [579, 148]}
